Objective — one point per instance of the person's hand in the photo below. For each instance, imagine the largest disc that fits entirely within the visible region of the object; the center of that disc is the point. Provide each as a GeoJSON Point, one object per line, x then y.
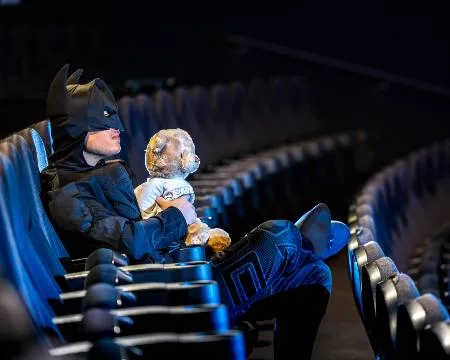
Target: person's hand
{"type": "Point", "coordinates": [183, 204]}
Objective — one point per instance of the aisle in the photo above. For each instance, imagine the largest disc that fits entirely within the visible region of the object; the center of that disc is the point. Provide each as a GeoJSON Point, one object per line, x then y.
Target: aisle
{"type": "Point", "coordinates": [341, 335]}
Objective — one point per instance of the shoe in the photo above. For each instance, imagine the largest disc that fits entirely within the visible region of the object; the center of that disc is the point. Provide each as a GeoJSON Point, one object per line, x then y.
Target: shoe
{"type": "Point", "coordinates": [323, 236]}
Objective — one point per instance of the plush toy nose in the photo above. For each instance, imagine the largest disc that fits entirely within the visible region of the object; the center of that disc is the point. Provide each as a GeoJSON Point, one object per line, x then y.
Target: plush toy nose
{"type": "Point", "coordinates": [196, 163]}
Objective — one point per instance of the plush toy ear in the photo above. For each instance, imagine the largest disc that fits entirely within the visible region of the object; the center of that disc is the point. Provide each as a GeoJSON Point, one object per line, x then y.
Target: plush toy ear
{"type": "Point", "coordinates": [159, 144]}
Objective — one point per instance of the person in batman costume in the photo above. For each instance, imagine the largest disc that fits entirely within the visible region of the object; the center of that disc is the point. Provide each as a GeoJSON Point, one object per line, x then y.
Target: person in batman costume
{"type": "Point", "coordinates": [274, 271]}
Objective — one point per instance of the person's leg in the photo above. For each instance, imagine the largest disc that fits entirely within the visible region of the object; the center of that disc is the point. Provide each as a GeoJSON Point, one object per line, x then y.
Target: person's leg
{"type": "Point", "coordinates": [267, 275]}
{"type": "Point", "coordinates": [298, 313]}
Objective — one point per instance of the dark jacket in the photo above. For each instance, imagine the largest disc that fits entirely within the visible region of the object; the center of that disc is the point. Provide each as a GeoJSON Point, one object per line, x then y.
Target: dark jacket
{"type": "Point", "coordinates": [93, 207]}
{"type": "Point", "coordinates": [97, 208]}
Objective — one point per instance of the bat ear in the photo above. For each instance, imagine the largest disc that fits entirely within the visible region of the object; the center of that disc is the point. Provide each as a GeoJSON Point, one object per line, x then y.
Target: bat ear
{"type": "Point", "coordinates": [58, 98]}
{"type": "Point", "coordinates": [105, 89]}
{"type": "Point", "coordinates": [75, 77]}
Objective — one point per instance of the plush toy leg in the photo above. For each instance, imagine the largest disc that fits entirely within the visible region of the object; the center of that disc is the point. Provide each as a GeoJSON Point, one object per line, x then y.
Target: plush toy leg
{"type": "Point", "coordinates": [218, 241]}
{"type": "Point", "coordinates": [197, 234]}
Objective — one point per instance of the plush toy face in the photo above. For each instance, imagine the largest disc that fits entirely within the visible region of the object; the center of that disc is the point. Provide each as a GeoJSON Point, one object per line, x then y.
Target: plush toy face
{"type": "Point", "coordinates": [171, 154]}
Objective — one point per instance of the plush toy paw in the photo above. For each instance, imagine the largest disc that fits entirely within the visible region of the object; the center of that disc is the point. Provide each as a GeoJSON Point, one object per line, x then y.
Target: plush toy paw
{"type": "Point", "coordinates": [218, 240]}
{"type": "Point", "coordinates": [198, 233]}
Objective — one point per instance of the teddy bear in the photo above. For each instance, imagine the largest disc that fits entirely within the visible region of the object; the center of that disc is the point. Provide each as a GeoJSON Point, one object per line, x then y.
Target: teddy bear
{"type": "Point", "coordinates": [169, 158]}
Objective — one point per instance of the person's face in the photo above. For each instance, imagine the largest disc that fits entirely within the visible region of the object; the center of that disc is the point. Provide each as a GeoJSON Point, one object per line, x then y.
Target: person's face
{"type": "Point", "coordinates": [103, 143]}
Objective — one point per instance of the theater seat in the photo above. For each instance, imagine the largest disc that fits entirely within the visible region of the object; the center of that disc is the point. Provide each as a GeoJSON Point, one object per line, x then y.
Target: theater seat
{"type": "Point", "coordinates": [44, 129]}
{"type": "Point", "coordinates": [227, 345]}
{"type": "Point", "coordinates": [149, 120]}
{"type": "Point", "coordinates": [13, 253]}
{"type": "Point", "coordinates": [363, 255]}
{"type": "Point", "coordinates": [202, 112]}
{"type": "Point", "coordinates": [390, 294]}
{"type": "Point", "coordinates": [133, 142]}
{"type": "Point", "coordinates": [186, 120]}
{"type": "Point", "coordinates": [434, 341]}
{"type": "Point", "coordinates": [361, 237]}
{"type": "Point", "coordinates": [371, 274]}
{"type": "Point", "coordinates": [412, 317]}
{"type": "Point", "coordinates": [35, 143]}
{"type": "Point", "coordinates": [28, 171]}
{"type": "Point", "coordinates": [36, 233]}
{"type": "Point", "coordinates": [18, 336]}
{"type": "Point", "coordinates": [155, 319]}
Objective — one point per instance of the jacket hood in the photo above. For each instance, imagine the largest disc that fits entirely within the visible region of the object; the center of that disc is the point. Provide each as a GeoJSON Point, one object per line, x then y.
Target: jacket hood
{"type": "Point", "coordinates": [74, 109]}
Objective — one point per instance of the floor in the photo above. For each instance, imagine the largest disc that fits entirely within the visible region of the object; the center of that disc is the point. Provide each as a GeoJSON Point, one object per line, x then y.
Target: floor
{"type": "Point", "coordinates": [342, 335]}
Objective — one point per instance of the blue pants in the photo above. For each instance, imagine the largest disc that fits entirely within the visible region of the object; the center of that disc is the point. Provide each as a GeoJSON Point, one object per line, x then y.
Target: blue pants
{"type": "Point", "coordinates": [270, 274]}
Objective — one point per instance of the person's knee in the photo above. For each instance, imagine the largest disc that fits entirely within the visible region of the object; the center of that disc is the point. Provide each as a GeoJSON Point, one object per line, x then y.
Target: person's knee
{"type": "Point", "coordinates": [281, 232]}
{"type": "Point", "coordinates": [319, 274]}
{"type": "Point", "coordinates": [307, 298]}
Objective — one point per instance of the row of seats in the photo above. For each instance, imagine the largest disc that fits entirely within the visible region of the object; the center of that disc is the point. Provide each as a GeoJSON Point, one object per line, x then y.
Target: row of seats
{"type": "Point", "coordinates": [430, 266]}
{"type": "Point", "coordinates": [225, 120]}
{"type": "Point", "coordinates": [108, 298]}
{"type": "Point", "coordinates": [247, 136]}
{"type": "Point", "coordinates": [101, 307]}
{"type": "Point", "coordinates": [398, 224]}
{"type": "Point", "coordinates": [253, 143]}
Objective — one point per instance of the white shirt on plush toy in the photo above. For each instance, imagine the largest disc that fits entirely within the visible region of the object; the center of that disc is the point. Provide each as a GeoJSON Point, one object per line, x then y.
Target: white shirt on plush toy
{"type": "Point", "coordinates": [170, 189]}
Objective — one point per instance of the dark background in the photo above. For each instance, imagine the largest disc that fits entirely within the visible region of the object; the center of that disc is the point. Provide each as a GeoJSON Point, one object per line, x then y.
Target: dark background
{"type": "Point", "coordinates": [150, 42]}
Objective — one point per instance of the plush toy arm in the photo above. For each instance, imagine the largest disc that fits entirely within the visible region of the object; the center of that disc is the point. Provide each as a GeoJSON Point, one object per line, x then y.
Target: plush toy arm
{"type": "Point", "coordinates": [146, 195]}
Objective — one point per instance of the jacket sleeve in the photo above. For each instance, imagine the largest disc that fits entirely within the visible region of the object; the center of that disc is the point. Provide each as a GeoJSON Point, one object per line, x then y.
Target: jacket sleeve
{"type": "Point", "coordinates": [75, 209]}
{"type": "Point", "coordinates": [161, 232]}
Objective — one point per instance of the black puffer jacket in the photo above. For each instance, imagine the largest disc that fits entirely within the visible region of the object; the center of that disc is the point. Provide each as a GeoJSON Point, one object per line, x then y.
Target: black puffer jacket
{"type": "Point", "coordinates": [97, 208]}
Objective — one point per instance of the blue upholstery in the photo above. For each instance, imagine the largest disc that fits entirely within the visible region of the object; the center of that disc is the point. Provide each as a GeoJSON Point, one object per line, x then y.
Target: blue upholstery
{"type": "Point", "coordinates": [187, 120]}
{"type": "Point", "coordinates": [407, 206]}
{"type": "Point", "coordinates": [132, 139]}
{"type": "Point", "coordinates": [202, 110]}
{"type": "Point", "coordinates": [45, 239]}
{"type": "Point", "coordinates": [37, 147]}
{"type": "Point", "coordinates": [44, 129]}
{"type": "Point", "coordinates": [17, 254]}
{"type": "Point", "coordinates": [166, 109]}
{"type": "Point", "coordinates": [150, 122]}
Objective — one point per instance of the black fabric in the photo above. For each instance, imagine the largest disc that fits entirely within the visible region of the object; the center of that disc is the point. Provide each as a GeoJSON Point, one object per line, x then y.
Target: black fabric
{"type": "Point", "coordinates": [298, 314]}
{"type": "Point", "coordinates": [97, 208]}
{"type": "Point", "coordinates": [75, 109]}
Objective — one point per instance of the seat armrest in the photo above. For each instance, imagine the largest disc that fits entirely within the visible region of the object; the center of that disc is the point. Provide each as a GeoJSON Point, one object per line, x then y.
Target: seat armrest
{"type": "Point", "coordinates": [74, 265]}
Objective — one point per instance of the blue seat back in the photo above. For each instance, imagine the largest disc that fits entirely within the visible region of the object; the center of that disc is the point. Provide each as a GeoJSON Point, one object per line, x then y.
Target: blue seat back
{"type": "Point", "coordinates": [15, 257]}
{"type": "Point", "coordinates": [44, 129]}
{"type": "Point", "coordinates": [45, 239]}
{"type": "Point", "coordinates": [133, 141]}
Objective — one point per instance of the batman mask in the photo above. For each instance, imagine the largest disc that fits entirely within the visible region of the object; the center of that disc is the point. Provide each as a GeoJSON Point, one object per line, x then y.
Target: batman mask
{"type": "Point", "coordinates": [74, 109]}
